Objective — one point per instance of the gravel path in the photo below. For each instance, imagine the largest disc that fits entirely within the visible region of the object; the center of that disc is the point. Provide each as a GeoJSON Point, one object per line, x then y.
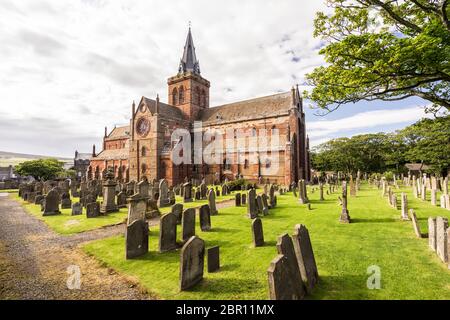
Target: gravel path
{"type": "Point", "coordinates": [34, 261]}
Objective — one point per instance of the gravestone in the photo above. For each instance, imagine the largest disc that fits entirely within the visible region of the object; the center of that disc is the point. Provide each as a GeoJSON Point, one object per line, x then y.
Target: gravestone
{"type": "Point", "coordinates": [433, 197]}
{"type": "Point", "coordinates": [252, 210]}
{"type": "Point", "coordinates": [272, 201]}
{"type": "Point", "coordinates": [203, 190]}
{"type": "Point", "coordinates": [192, 258]}
{"type": "Point", "coordinates": [51, 203]}
{"type": "Point", "coordinates": [136, 239]}
{"type": "Point", "coordinates": [217, 192]}
{"type": "Point", "coordinates": [280, 281]}
{"type": "Point", "coordinates": [441, 238]}
{"type": "Point", "coordinates": [404, 207]}
{"type": "Point", "coordinates": [423, 192]}
{"type": "Point", "coordinates": [163, 200]}
{"type": "Point", "coordinates": [109, 194]}
{"type": "Point", "coordinates": [187, 196]}
{"type": "Point", "coordinates": [321, 192]}
{"type": "Point", "coordinates": [259, 204]}
{"type": "Point", "coordinates": [172, 198]}
{"type": "Point", "coordinates": [122, 199]}
{"type": "Point", "coordinates": [265, 204]}
{"type": "Point", "coordinates": [345, 216]}
{"type": "Point", "coordinates": [177, 210]}
{"type": "Point", "coordinates": [188, 224]}
{"type": "Point", "coordinates": [213, 259]}
{"type": "Point", "coordinates": [305, 257]}
{"type": "Point", "coordinates": [301, 192]}
{"type": "Point", "coordinates": [66, 203]}
{"type": "Point", "coordinates": [237, 199]}
{"type": "Point", "coordinates": [197, 195]}
{"type": "Point", "coordinates": [257, 232]}
{"type": "Point", "coordinates": [432, 233]}
{"type": "Point", "coordinates": [167, 232]}
{"type": "Point", "coordinates": [143, 188]}
{"type": "Point", "coordinates": [205, 218]}
{"type": "Point", "coordinates": [137, 208]}
{"type": "Point", "coordinates": [293, 288]}
{"type": "Point", "coordinates": [77, 209]}
{"type": "Point", "coordinates": [415, 223]}
{"type": "Point", "coordinates": [243, 199]}
{"type": "Point", "coordinates": [93, 210]}
{"type": "Point", "coordinates": [212, 202]}
{"type": "Point", "coordinates": [39, 199]}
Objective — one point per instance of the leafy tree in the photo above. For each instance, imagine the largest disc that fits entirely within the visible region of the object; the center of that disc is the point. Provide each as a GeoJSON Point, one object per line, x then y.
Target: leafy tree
{"type": "Point", "coordinates": [383, 50]}
{"type": "Point", "coordinates": [429, 142]}
{"type": "Point", "coordinates": [41, 168]}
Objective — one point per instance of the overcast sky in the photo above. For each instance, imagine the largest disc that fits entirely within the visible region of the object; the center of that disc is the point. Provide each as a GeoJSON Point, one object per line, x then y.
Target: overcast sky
{"type": "Point", "coordinates": [70, 68]}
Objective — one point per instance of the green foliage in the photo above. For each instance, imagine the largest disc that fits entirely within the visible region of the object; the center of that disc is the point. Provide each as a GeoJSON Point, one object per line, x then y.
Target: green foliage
{"type": "Point", "coordinates": [383, 50]}
{"type": "Point", "coordinates": [389, 175]}
{"type": "Point", "coordinates": [41, 168]}
{"type": "Point", "coordinates": [237, 184]}
{"type": "Point", "coordinates": [426, 141]}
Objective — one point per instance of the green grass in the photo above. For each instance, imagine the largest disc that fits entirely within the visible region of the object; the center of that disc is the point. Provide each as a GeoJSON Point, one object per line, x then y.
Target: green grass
{"type": "Point", "coordinates": [67, 224]}
{"type": "Point", "coordinates": [409, 270]}
{"type": "Point", "coordinates": [9, 191]}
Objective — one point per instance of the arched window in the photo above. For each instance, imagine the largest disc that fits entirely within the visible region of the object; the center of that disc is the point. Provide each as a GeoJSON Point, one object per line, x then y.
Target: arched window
{"type": "Point", "coordinates": [246, 164]}
{"type": "Point", "coordinates": [268, 163]}
{"type": "Point", "coordinates": [144, 151]}
{"type": "Point", "coordinates": [143, 168]}
{"type": "Point", "coordinates": [175, 97]}
{"type": "Point", "coordinates": [181, 95]}
{"type": "Point", "coordinates": [253, 132]}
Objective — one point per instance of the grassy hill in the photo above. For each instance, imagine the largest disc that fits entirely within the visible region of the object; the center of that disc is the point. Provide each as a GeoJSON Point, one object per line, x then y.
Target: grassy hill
{"type": "Point", "coordinates": [11, 158]}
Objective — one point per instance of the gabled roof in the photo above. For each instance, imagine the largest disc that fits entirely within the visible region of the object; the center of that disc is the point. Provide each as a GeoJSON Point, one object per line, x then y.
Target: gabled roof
{"type": "Point", "coordinates": [165, 110]}
{"type": "Point", "coordinates": [113, 154]}
{"type": "Point", "coordinates": [416, 166]}
{"type": "Point", "coordinates": [122, 132]}
{"type": "Point", "coordinates": [83, 156]}
{"type": "Point", "coordinates": [269, 106]}
{"type": "Point", "coordinates": [189, 60]}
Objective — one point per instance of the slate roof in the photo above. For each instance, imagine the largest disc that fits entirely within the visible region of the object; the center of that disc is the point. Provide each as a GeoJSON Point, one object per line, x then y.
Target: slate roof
{"type": "Point", "coordinates": [83, 156]}
{"type": "Point", "coordinates": [164, 109]}
{"type": "Point", "coordinates": [122, 132]}
{"type": "Point", "coordinates": [113, 154]}
{"type": "Point", "coordinates": [269, 106]}
{"type": "Point", "coordinates": [189, 60]}
{"type": "Point", "coordinates": [416, 166]}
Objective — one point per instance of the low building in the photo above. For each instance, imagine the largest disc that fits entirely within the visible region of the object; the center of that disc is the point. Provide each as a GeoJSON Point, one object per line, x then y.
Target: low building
{"type": "Point", "coordinates": [81, 162]}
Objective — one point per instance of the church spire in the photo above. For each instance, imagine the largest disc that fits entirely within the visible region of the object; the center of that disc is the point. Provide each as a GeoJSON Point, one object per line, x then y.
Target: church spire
{"type": "Point", "coordinates": [189, 62]}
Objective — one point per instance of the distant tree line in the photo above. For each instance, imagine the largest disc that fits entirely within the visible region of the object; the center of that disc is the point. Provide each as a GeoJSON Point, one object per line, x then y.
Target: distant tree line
{"type": "Point", "coordinates": [427, 141]}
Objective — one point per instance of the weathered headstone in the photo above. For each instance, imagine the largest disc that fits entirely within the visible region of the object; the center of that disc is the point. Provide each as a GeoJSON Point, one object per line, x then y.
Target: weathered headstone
{"type": "Point", "coordinates": [51, 203]}
{"type": "Point", "coordinates": [177, 210]}
{"type": "Point", "coordinates": [188, 224]}
{"type": "Point", "coordinates": [213, 259]}
{"type": "Point", "coordinates": [66, 203]}
{"type": "Point", "coordinates": [433, 197]}
{"type": "Point", "coordinates": [187, 195]}
{"type": "Point", "coordinates": [244, 199]}
{"type": "Point", "coordinates": [136, 239]}
{"type": "Point", "coordinates": [252, 210]}
{"type": "Point", "coordinates": [257, 232]}
{"type": "Point", "coordinates": [259, 204]}
{"type": "Point", "coordinates": [432, 233]}
{"type": "Point", "coordinates": [272, 201]}
{"type": "Point", "coordinates": [205, 218]}
{"type": "Point", "coordinates": [109, 194]}
{"type": "Point", "coordinates": [122, 199]}
{"type": "Point", "coordinates": [192, 258]}
{"type": "Point", "coordinates": [92, 210]}
{"type": "Point", "coordinates": [167, 232]}
{"type": "Point", "coordinates": [77, 209]}
{"type": "Point", "coordinates": [237, 199]}
{"type": "Point", "coordinates": [305, 257]}
{"type": "Point", "coordinates": [345, 216]}
{"type": "Point", "coordinates": [137, 208]}
{"type": "Point", "coordinates": [265, 204]}
{"type": "Point", "coordinates": [163, 200]}
{"type": "Point", "coordinates": [404, 207]}
{"type": "Point", "coordinates": [441, 238]}
{"type": "Point", "coordinates": [321, 192]}
{"type": "Point", "coordinates": [212, 202]}
{"type": "Point", "coordinates": [415, 223]}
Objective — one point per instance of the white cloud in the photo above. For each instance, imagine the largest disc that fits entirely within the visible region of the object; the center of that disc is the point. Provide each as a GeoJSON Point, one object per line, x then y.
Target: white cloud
{"type": "Point", "coordinates": [364, 122]}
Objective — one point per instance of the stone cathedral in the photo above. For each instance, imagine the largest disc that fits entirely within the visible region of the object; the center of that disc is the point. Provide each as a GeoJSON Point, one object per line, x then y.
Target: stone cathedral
{"type": "Point", "coordinates": [144, 148]}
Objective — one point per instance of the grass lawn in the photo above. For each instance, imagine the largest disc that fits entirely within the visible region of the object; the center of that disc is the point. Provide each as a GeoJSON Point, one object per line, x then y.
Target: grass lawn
{"type": "Point", "coordinates": [67, 224]}
{"type": "Point", "coordinates": [9, 191]}
{"type": "Point", "coordinates": [409, 270]}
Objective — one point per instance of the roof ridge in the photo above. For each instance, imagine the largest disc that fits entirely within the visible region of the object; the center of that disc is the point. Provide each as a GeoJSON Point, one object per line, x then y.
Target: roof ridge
{"type": "Point", "coordinates": [252, 99]}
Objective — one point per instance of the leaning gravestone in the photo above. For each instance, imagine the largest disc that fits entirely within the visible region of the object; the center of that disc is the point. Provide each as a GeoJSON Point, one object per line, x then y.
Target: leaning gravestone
{"type": "Point", "coordinates": [432, 233]}
{"type": "Point", "coordinates": [136, 239]}
{"type": "Point", "coordinates": [188, 224]}
{"type": "Point", "coordinates": [192, 262]}
{"type": "Point", "coordinates": [212, 202]}
{"type": "Point", "coordinates": [415, 223]}
{"type": "Point", "coordinates": [213, 259]}
{"type": "Point", "coordinates": [252, 210]}
{"type": "Point", "coordinates": [205, 218]}
{"type": "Point", "coordinates": [280, 281]}
{"type": "Point", "coordinates": [305, 257]}
{"type": "Point", "coordinates": [441, 238]}
{"type": "Point", "coordinates": [177, 210]}
{"type": "Point", "coordinates": [93, 210]}
{"type": "Point", "coordinates": [77, 209]}
{"type": "Point", "coordinates": [167, 232]}
{"type": "Point", "coordinates": [51, 203]}
{"type": "Point", "coordinates": [257, 232]}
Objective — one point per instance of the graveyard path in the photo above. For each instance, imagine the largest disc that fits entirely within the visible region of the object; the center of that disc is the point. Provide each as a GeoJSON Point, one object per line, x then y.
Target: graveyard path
{"type": "Point", "coordinates": [34, 261]}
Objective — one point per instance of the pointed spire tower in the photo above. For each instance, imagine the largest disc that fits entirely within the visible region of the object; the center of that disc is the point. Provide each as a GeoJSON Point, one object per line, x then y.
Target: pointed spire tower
{"type": "Point", "coordinates": [188, 90]}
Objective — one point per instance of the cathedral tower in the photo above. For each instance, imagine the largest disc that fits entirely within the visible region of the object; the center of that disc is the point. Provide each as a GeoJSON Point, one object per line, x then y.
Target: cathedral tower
{"type": "Point", "coordinates": [188, 90]}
